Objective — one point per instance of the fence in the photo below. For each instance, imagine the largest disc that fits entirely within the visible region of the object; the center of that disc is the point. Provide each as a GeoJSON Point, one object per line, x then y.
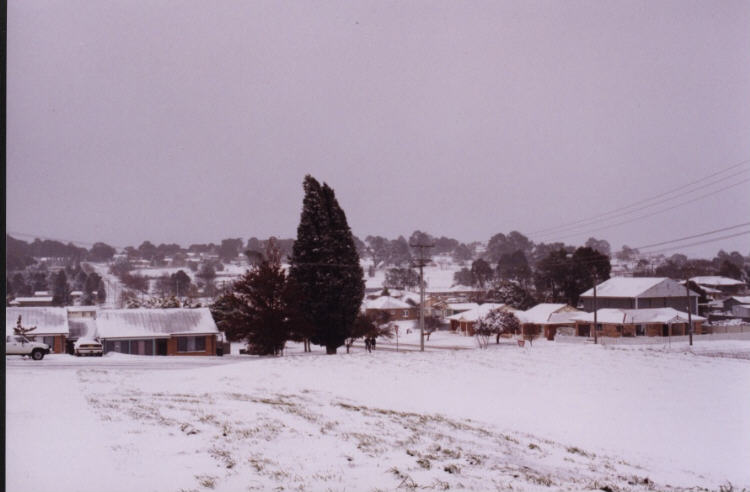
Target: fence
{"type": "Point", "coordinates": [738, 332]}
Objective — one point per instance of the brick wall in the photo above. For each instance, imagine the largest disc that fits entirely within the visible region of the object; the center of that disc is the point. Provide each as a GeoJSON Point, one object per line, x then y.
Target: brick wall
{"type": "Point", "coordinates": [210, 347]}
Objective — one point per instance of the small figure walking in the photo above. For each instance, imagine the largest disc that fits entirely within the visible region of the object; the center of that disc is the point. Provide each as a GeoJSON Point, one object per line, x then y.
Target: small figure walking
{"type": "Point", "coordinates": [372, 343]}
{"type": "Point", "coordinates": [368, 347]}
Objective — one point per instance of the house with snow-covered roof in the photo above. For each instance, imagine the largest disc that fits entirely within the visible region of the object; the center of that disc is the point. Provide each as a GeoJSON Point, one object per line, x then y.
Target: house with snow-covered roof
{"type": "Point", "coordinates": [729, 303]}
{"type": "Point", "coordinates": [396, 309]}
{"type": "Point", "coordinates": [465, 321]}
{"type": "Point", "coordinates": [35, 301]}
{"type": "Point", "coordinates": [177, 331]}
{"type": "Point", "coordinates": [640, 293]}
{"type": "Point", "coordinates": [546, 318]}
{"type": "Point", "coordinates": [724, 285]}
{"type": "Point", "coordinates": [649, 322]}
{"type": "Point", "coordinates": [51, 324]}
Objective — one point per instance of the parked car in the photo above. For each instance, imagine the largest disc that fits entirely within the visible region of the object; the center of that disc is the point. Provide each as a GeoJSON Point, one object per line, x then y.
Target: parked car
{"type": "Point", "coordinates": [20, 345]}
{"type": "Point", "coordinates": [88, 346]}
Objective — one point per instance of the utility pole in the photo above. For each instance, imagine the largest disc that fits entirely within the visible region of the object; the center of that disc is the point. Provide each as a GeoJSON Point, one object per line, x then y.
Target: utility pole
{"type": "Point", "coordinates": [421, 262]}
{"type": "Point", "coordinates": [595, 318]}
{"type": "Point", "coordinates": [690, 317]}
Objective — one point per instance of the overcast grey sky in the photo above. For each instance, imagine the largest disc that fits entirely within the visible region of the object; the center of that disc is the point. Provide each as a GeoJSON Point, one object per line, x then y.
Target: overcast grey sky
{"type": "Point", "coordinates": [191, 121]}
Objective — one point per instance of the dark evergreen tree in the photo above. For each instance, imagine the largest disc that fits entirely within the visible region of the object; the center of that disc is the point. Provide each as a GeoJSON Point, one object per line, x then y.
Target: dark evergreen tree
{"type": "Point", "coordinates": [80, 280]}
{"type": "Point", "coordinates": [325, 268]}
{"type": "Point", "coordinates": [401, 278]}
{"type": "Point", "coordinates": [731, 270]}
{"type": "Point", "coordinates": [60, 289]}
{"type": "Point", "coordinates": [379, 248]}
{"type": "Point", "coordinates": [399, 252]}
{"type": "Point", "coordinates": [463, 277]}
{"type": "Point", "coordinates": [101, 292]}
{"type": "Point", "coordinates": [482, 273]}
{"type": "Point", "coordinates": [514, 267]}
{"type": "Point", "coordinates": [254, 310]}
{"type": "Point", "coordinates": [462, 253]}
{"type": "Point", "coordinates": [20, 287]}
{"type": "Point", "coordinates": [101, 252]}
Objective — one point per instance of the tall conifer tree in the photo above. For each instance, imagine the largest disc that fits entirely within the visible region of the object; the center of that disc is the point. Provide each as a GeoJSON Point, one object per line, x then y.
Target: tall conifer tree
{"type": "Point", "coordinates": [325, 268]}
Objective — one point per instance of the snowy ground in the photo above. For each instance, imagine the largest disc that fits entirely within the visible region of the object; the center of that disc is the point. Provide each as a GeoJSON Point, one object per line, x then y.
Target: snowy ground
{"type": "Point", "coordinates": [554, 415]}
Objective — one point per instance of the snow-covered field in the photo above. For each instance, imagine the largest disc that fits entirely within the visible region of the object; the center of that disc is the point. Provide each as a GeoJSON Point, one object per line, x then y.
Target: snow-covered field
{"type": "Point", "coordinates": [554, 415]}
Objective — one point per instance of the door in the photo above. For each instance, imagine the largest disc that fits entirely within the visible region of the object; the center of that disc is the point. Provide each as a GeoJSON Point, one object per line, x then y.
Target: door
{"type": "Point", "coordinates": [161, 346]}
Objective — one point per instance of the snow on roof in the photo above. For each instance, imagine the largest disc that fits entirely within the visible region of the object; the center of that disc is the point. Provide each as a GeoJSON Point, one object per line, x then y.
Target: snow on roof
{"type": "Point", "coordinates": [151, 323]}
{"type": "Point", "coordinates": [637, 316]}
{"type": "Point", "coordinates": [478, 312]}
{"type": "Point", "coordinates": [561, 318]}
{"type": "Point", "coordinates": [80, 309]}
{"type": "Point", "coordinates": [32, 299]}
{"type": "Point", "coordinates": [48, 320]}
{"type": "Point", "coordinates": [82, 327]}
{"type": "Point", "coordinates": [716, 281]}
{"type": "Point", "coordinates": [741, 299]}
{"type": "Point", "coordinates": [462, 306]}
{"type": "Point", "coordinates": [386, 302]}
{"type": "Point", "coordinates": [42, 293]}
{"type": "Point", "coordinates": [411, 296]}
{"type": "Point", "coordinates": [452, 288]}
{"type": "Point", "coordinates": [638, 287]}
{"type": "Point", "coordinates": [539, 313]}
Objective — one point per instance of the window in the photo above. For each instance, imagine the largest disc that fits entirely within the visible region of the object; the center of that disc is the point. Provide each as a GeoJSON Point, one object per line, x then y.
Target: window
{"type": "Point", "coordinates": [598, 327]}
{"type": "Point", "coordinates": [191, 344]}
{"type": "Point", "coordinates": [406, 313]}
{"type": "Point", "coordinates": [49, 341]}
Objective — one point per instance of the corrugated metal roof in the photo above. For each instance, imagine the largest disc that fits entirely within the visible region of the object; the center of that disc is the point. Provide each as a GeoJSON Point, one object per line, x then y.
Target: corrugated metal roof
{"type": "Point", "coordinates": [638, 287]}
{"type": "Point", "coordinates": [539, 313]}
{"type": "Point", "coordinates": [638, 316]}
{"type": "Point", "coordinates": [478, 312]}
{"type": "Point", "coordinates": [48, 320]}
{"type": "Point", "coordinates": [716, 281]}
{"type": "Point", "coordinates": [149, 323]}
{"type": "Point", "coordinates": [385, 302]}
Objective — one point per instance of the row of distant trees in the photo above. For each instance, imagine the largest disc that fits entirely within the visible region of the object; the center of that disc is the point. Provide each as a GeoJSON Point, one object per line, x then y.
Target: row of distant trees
{"type": "Point", "coordinates": [560, 276]}
{"type": "Point", "coordinates": [59, 283]}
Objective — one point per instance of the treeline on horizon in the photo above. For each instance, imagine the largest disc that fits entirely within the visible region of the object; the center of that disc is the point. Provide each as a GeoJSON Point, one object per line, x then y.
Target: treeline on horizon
{"type": "Point", "coordinates": [381, 250]}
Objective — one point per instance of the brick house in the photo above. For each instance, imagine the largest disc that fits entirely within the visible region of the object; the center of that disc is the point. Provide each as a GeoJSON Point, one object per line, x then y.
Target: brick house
{"type": "Point", "coordinates": [157, 331]}
{"type": "Point", "coordinates": [640, 293]}
{"type": "Point", "coordinates": [51, 324]}
{"type": "Point", "coordinates": [465, 321]}
{"type": "Point", "coordinates": [718, 287]}
{"type": "Point", "coordinates": [546, 318]}
{"type": "Point", "coordinates": [637, 322]}
{"type": "Point", "coordinates": [396, 308]}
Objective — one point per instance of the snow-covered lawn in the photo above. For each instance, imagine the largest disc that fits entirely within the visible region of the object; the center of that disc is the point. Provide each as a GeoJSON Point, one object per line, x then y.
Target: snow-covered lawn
{"type": "Point", "coordinates": [555, 415]}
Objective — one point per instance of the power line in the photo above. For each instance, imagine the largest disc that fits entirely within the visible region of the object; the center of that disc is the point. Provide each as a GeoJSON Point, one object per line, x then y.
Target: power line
{"type": "Point", "coordinates": [642, 201]}
{"type": "Point", "coordinates": [699, 243]}
{"type": "Point", "coordinates": [645, 216]}
{"type": "Point", "coordinates": [693, 236]}
{"type": "Point", "coordinates": [624, 212]}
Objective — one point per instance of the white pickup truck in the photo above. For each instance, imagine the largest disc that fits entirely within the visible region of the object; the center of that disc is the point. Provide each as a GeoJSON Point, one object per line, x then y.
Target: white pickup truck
{"type": "Point", "coordinates": [20, 345]}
